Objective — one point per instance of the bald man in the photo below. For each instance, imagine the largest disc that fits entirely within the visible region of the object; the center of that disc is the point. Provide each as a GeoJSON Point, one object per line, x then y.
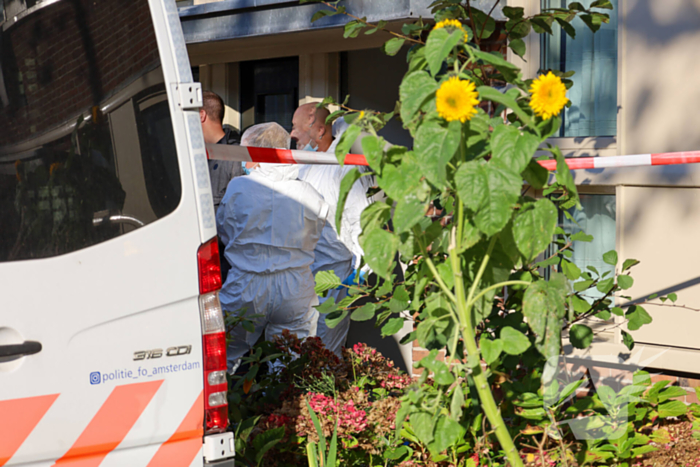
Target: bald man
{"type": "Point", "coordinates": [302, 120]}
{"type": "Point", "coordinates": [326, 179]}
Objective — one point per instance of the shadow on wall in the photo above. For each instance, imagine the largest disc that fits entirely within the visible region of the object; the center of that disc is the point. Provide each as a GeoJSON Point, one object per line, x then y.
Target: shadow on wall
{"type": "Point", "coordinates": [659, 57]}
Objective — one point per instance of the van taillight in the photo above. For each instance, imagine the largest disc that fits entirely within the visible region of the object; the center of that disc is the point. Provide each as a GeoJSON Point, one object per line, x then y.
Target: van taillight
{"type": "Point", "coordinates": [213, 338]}
{"type": "Point", "coordinates": [209, 267]}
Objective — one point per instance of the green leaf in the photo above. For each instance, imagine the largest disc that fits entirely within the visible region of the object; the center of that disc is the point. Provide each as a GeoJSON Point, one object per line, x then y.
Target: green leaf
{"type": "Point", "coordinates": [400, 180]}
{"type": "Point", "coordinates": [513, 12]}
{"type": "Point", "coordinates": [447, 433]}
{"type": "Point", "coordinates": [519, 29]}
{"type": "Point", "coordinates": [310, 454]}
{"type": "Point", "coordinates": [436, 145]}
{"type": "Point", "coordinates": [512, 149]}
{"type": "Point", "coordinates": [376, 215]}
{"type": "Point", "coordinates": [641, 378]}
{"type": "Point", "coordinates": [540, 25]}
{"type": "Point", "coordinates": [581, 336]}
{"type": "Point", "coordinates": [544, 309]}
{"type": "Point", "coordinates": [345, 186]}
{"type": "Point", "coordinates": [415, 89]}
{"type": "Point", "coordinates": [493, 95]}
{"type": "Point", "coordinates": [628, 340]}
{"type": "Point", "coordinates": [333, 449]}
{"type": "Point", "coordinates": [625, 282]}
{"type": "Point", "coordinates": [533, 229]}
{"type": "Point", "coordinates": [671, 392]}
{"type": "Point", "coordinates": [514, 341]}
{"type": "Point", "coordinates": [335, 317]}
{"type": "Point", "coordinates": [581, 236]}
{"type": "Point", "coordinates": [490, 349]}
{"type": "Point", "coordinates": [672, 409]}
{"type": "Point", "coordinates": [563, 175]}
{"type": "Point", "coordinates": [637, 317]}
{"type": "Point", "coordinates": [266, 441]}
{"type": "Point", "coordinates": [440, 44]}
{"type": "Point", "coordinates": [606, 285]}
{"type": "Point", "coordinates": [322, 14]}
{"type": "Point", "coordinates": [457, 403]}
{"type": "Point", "coordinates": [327, 306]}
{"type": "Point", "coordinates": [592, 21]}
{"type": "Point", "coordinates": [392, 46]}
{"type": "Point", "coordinates": [326, 280]}
{"type": "Point", "coordinates": [518, 47]}
{"type": "Point", "coordinates": [535, 175]}
{"type": "Point", "coordinates": [392, 326]}
{"type": "Point", "coordinates": [508, 70]}
{"type": "Point", "coordinates": [568, 28]}
{"type": "Point", "coordinates": [346, 141]}
{"type": "Point", "coordinates": [610, 257]}
{"type": "Point", "coordinates": [570, 270]}
{"type": "Point", "coordinates": [422, 424]}
{"type": "Point", "coordinates": [489, 190]}
{"type": "Point", "coordinates": [484, 25]}
{"type": "Point", "coordinates": [408, 212]}
{"type": "Point", "coordinates": [629, 263]}
{"type": "Point", "coordinates": [380, 248]}
{"type": "Point", "coordinates": [353, 28]}
{"type": "Point", "coordinates": [673, 297]}
{"type": "Point", "coordinates": [441, 372]}
{"type": "Point", "coordinates": [366, 312]}
{"type": "Point", "coordinates": [602, 4]}
{"type": "Point", "coordinates": [582, 285]}
{"type": "Point", "coordinates": [373, 149]}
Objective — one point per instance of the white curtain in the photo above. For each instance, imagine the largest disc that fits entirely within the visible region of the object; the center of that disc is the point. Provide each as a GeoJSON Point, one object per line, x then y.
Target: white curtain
{"type": "Point", "coordinates": [594, 59]}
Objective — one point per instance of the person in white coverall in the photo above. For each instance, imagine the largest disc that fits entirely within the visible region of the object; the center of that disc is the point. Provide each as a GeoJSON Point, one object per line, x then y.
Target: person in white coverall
{"type": "Point", "coordinates": [310, 127]}
{"type": "Point", "coordinates": [270, 223]}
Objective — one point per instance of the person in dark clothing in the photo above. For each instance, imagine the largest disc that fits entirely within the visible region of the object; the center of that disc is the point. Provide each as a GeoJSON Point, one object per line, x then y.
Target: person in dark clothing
{"type": "Point", "coordinates": [220, 172]}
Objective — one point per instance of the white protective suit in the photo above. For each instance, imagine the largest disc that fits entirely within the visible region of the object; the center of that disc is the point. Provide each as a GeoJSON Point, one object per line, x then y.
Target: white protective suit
{"type": "Point", "coordinates": [270, 223]}
{"type": "Point", "coordinates": [326, 179]}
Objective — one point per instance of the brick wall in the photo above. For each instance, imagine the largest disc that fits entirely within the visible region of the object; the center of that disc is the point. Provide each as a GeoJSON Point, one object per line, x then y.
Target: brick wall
{"type": "Point", "coordinates": [52, 77]}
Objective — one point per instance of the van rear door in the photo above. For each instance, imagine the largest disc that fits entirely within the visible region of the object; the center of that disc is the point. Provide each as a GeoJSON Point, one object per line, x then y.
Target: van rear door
{"type": "Point", "coordinates": [103, 206]}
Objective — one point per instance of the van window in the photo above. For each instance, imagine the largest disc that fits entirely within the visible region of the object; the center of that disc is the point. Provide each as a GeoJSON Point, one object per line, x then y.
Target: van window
{"type": "Point", "coordinates": [87, 151]}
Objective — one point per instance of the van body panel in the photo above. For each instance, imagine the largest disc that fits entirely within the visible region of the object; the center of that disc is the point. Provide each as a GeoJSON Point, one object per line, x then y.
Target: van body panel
{"type": "Point", "coordinates": [119, 377]}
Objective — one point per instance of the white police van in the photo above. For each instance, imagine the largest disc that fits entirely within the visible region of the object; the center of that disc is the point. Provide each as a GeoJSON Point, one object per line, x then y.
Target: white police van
{"type": "Point", "coordinates": [112, 346]}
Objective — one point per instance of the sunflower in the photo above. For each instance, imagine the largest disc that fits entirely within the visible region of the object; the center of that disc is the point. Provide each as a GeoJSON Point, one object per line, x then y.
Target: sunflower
{"type": "Point", "coordinates": [451, 23]}
{"type": "Point", "coordinates": [456, 100]}
{"type": "Point", "coordinates": [548, 96]}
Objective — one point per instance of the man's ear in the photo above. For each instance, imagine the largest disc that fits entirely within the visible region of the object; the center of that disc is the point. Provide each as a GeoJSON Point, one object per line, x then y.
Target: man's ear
{"type": "Point", "coordinates": [202, 115]}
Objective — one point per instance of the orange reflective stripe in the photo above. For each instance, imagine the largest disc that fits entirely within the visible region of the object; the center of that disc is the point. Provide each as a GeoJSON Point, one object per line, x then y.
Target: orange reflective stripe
{"type": "Point", "coordinates": [110, 424]}
{"type": "Point", "coordinates": [18, 417]}
{"type": "Point", "coordinates": [186, 442]}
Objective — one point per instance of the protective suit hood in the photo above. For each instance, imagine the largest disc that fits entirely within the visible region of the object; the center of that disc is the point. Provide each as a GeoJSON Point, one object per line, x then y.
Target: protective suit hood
{"type": "Point", "coordinates": [277, 172]}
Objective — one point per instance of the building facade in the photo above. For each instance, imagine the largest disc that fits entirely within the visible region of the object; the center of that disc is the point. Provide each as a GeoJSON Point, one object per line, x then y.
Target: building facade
{"type": "Point", "coordinates": [634, 93]}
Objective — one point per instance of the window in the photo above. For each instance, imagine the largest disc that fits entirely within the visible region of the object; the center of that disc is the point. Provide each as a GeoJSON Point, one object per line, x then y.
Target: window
{"type": "Point", "coordinates": [73, 174]}
{"type": "Point", "coordinates": [594, 59]}
{"type": "Point", "coordinates": [269, 91]}
{"type": "Point", "coordinates": [596, 218]}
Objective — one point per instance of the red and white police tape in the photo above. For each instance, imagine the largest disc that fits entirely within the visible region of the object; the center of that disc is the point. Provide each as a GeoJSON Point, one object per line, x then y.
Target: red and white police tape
{"type": "Point", "coordinates": [288, 156]}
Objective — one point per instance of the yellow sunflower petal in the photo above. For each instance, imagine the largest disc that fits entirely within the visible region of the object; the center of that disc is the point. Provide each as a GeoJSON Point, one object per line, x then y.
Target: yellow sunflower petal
{"type": "Point", "coordinates": [456, 99]}
{"type": "Point", "coordinates": [548, 96]}
{"type": "Point", "coordinates": [451, 23]}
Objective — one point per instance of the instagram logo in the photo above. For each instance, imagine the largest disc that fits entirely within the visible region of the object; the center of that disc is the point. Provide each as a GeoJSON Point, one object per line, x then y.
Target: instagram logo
{"type": "Point", "coordinates": [95, 377]}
